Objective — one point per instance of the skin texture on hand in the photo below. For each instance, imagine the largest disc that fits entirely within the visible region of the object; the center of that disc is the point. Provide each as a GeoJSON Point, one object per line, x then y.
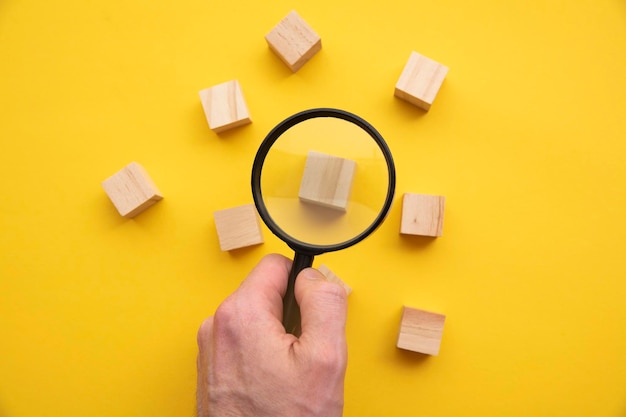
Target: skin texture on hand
{"type": "Point", "coordinates": [249, 366]}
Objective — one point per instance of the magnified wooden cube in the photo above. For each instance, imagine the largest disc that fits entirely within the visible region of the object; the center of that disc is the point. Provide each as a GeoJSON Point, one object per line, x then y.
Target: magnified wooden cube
{"type": "Point", "coordinates": [420, 81]}
{"type": "Point", "coordinates": [294, 41]}
{"type": "Point", "coordinates": [331, 277]}
{"type": "Point", "coordinates": [422, 215]}
{"type": "Point", "coordinates": [238, 227]}
{"type": "Point", "coordinates": [224, 106]}
{"type": "Point", "coordinates": [131, 190]}
{"type": "Point", "coordinates": [327, 180]}
{"type": "Point", "coordinates": [420, 331]}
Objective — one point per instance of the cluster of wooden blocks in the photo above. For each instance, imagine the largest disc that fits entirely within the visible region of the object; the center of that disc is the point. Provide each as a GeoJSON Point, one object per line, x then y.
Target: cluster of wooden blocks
{"type": "Point", "coordinates": [326, 182]}
{"type": "Point", "coordinates": [132, 191]}
{"type": "Point", "coordinates": [295, 43]}
{"type": "Point", "coordinates": [327, 179]}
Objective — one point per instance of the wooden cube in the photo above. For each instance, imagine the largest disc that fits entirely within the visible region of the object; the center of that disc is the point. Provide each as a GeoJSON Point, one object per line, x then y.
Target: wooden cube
{"type": "Point", "coordinates": [131, 190]}
{"type": "Point", "coordinates": [327, 180]}
{"type": "Point", "coordinates": [224, 106]}
{"type": "Point", "coordinates": [238, 227]}
{"type": "Point", "coordinates": [331, 277]}
{"type": "Point", "coordinates": [422, 215]}
{"type": "Point", "coordinates": [294, 41]}
{"type": "Point", "coordinates": [420, 331]}
{"type": "Point", "coordinates": [420, 81]}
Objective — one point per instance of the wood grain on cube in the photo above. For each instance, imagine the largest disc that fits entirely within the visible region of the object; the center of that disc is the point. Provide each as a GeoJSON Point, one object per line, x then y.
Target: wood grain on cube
{"type": "Point", "coordinates": [420, 81]}
{"type": "Point", "coordinates": [420, 331]}
{"type": "Point", "coordinates": [224, 106]}
{"type": "Point", "coordinates": [131, 190]}
{"type": "Point", "coordinates": [422, 215]}
{"type": "Point", "coordinates": [293, 41]}
{"type": "Point", "coordinates": [327, 180]}
{"type": "Point", "coordinates": [238, 227]}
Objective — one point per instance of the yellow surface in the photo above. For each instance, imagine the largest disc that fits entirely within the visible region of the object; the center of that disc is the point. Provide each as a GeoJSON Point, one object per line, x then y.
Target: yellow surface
{"type": "Point", "coordinates": [526, 139]}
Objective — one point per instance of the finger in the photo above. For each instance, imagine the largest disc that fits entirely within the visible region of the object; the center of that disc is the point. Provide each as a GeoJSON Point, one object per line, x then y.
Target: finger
{"type": "Point", "coordinates": [323, 307]}
{"type": "Point", "coordinates": [264, 288]}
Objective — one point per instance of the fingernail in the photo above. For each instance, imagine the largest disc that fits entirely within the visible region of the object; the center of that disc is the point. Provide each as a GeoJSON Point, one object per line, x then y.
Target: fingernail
{"type": "Point", "coordinates": [310, 273]}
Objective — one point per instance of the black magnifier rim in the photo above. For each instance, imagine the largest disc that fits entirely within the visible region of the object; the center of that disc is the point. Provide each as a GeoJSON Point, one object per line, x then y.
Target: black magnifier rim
{"type": "Point", "coordinates": [295, 244]}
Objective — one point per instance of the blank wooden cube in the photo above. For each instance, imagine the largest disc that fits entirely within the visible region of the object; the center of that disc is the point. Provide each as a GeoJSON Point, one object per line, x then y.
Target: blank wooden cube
{"type": "Point", "coordinates": [131, 190]}
{"type": "Point", "coordinates": [420, 331]}
{"type": "Point", "coordinates": [422, 215]}
{"type": "Point", "coordinates": [331, 277]}
{"type": "Point", "coordinates": [294, 41]}
{"type": "Point", "coordinates": [225, 106]}
{"type": "Point", "coordinates": [420, 81]}
{"type": "Point", "coordinates": [327, 180]}
{"type": "Point", "coordinates": [238, 227]}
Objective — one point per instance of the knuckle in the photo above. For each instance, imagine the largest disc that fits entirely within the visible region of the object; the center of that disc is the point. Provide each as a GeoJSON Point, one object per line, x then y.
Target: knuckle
{"type": "Point", "coordinates": [225, 313]}
{"type": "Point", "coordinates": [330, 360]}
{"type": "Point", "coordinates": [227, 320]}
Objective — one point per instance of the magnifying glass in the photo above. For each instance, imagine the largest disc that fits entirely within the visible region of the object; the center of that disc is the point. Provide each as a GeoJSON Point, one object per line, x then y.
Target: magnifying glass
{"type": "Point", "coordinates": [322, 180]}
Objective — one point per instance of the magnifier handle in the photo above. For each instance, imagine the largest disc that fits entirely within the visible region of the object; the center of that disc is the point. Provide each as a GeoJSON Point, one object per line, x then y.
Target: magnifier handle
{"type": "Point", "coordinates": [291, 310]}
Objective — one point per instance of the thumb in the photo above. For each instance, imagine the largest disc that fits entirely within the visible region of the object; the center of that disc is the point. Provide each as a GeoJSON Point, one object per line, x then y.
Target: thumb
{"type": "Point", "coordinates": [323, 306]}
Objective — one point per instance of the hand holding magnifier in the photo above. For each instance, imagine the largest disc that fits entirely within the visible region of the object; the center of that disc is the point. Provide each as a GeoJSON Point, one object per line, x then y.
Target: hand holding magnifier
{"type": "Point", "coordinates": [322, 180]}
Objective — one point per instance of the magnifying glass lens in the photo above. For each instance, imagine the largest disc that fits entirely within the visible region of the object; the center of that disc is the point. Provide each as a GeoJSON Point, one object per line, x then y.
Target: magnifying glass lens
{"type": "Point", "coordinates": [324, 181]}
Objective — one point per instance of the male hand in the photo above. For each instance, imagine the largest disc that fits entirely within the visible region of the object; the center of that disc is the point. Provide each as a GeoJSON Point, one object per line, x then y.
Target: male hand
{"type": "Point", "coordinates": [249, 366]}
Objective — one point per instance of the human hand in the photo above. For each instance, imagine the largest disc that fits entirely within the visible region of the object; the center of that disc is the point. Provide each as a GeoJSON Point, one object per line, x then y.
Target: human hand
{"type": "Point", "coordinates": [249, 366]}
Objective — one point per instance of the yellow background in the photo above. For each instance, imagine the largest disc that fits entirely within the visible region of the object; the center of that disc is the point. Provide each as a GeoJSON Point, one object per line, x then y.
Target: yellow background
{"type": "Point", "coordinates": [526, 139]}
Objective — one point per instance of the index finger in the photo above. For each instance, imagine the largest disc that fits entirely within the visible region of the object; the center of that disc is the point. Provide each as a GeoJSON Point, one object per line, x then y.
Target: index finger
{"type": "Point", "coordinates": [265, 286]}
